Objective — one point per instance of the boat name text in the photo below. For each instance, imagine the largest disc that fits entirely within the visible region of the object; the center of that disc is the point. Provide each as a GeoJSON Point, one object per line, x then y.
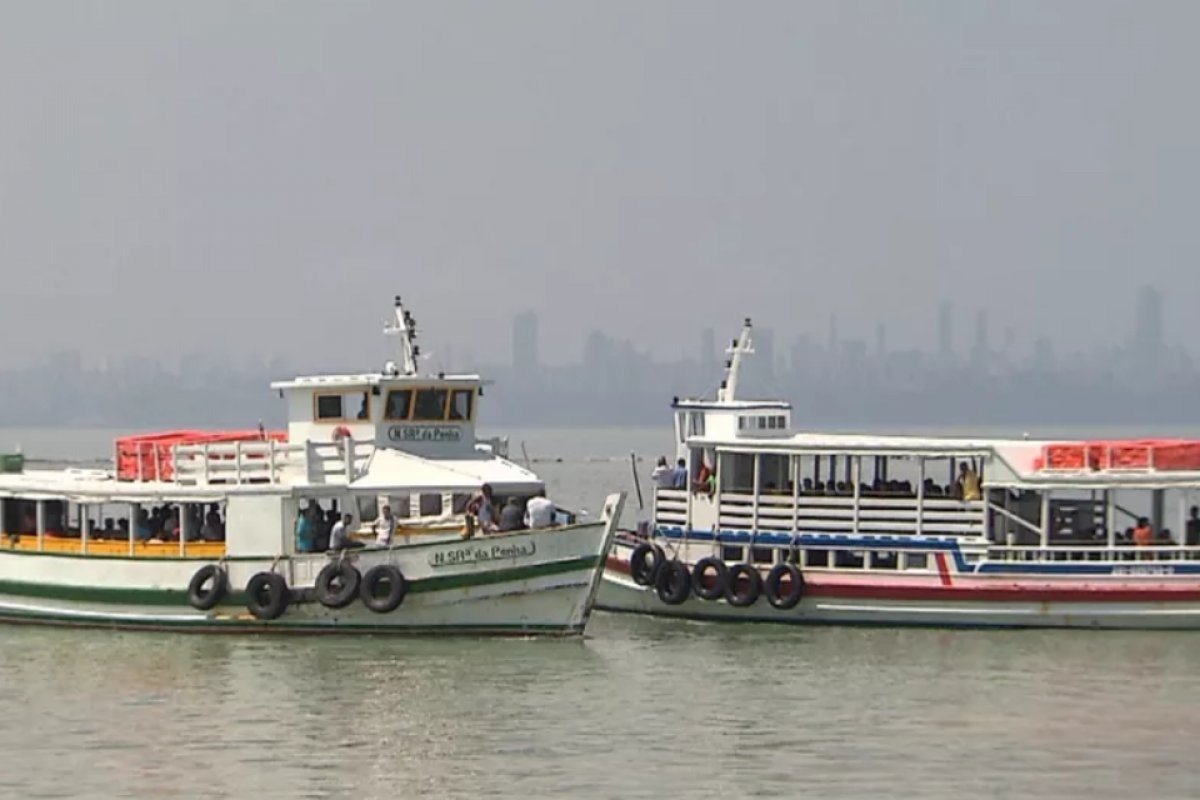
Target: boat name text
{"type": "Point", "coordinates": [1146, 570]}
{"type": "Point", "coordinates": [424, 433]}
{"type": "Point", "coordinates": [481, 553]}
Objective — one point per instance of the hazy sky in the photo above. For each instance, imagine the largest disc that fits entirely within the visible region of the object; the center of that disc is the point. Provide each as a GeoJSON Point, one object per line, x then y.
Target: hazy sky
{"type": "Point", "coordinates": [263, 176]}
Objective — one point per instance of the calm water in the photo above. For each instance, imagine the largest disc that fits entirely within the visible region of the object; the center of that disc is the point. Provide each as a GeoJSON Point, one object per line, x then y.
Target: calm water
{"type": "Point", "coordinates": [639, 708]}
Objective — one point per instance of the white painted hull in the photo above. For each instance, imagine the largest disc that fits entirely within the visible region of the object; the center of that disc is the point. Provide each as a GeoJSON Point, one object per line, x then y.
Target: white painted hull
{"type": "Point", "coordinates": [619, 593]}
{"type": "Point", "coordinates": [532, 582]}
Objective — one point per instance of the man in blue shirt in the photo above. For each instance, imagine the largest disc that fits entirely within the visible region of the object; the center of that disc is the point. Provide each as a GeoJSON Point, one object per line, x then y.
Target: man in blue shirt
{"type": "Point", "coordinates": [680, 480]}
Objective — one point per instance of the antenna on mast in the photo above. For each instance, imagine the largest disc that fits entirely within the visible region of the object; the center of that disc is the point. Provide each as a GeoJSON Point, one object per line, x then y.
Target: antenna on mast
{"type": "Point", "coordinates": [405, 326]}
{"type": "Point", "coordinates": [740, 347]}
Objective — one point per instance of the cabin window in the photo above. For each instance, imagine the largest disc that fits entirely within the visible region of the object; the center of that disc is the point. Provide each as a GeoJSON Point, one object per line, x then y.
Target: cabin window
{"type": "Point", "coordinates": [339, 406]}
{"type": "Point", "coordinates": [732, 554]}
{"type": "Point", "coordinates": [431, 405]}
{"type": "Point", "coordinates": [762, 555]}
{"type": "Point", "coordinates": [367, 507]}
{"type": "Point", "coordinates": [329, 406]}
{"type": "Point", "coordinates": [917, 561]}
{"type": "Point", "coordinates": [401, 506]}
{"type": "Point", "coordinates": [460, 404]}
{"type": "Point", "coordinates": [431, 505]}
{"type": "Point", "coordinates": [399, 401]}
{"type": "Point", "coordinates": [773, 474]}
{"type": "Point", "coordinates": [458, 503]}
{"type": "Point", "coordinates": [736, 472]}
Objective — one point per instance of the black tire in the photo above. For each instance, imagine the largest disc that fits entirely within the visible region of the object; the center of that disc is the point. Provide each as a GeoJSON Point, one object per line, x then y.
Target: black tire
{"type": "Point", "coordinates": [700, 584]}
{"type": "Point", "coordinates": [738, 596]}
{"type": "Point", "coordinates": [267, 595]}
{"type": "Point", "coordinates": [795, 590]}
{"type": "Point", "coordinates": [673, 583]}
{"type": "Point", "coordinates": [383, 576]}
{"type": "Point", "coordinates": [205, 599]}
{"type": "Point", "coordinates": [337, 584]}
{"type": "Point", "coordinates": [644, 574]}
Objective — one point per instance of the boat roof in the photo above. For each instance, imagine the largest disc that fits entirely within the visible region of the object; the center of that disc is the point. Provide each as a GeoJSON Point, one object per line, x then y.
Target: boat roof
{"type": "Point", "coordinates": [373, 379]}
{"type": "Point", "coordinates": [391, 469]}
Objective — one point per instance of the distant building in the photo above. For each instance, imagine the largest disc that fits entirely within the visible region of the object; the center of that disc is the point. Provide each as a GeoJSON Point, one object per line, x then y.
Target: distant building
{"type": "Point", "coordinates": [525, 345]}
{"type": "Point", "coordinates": [946, 330]}
{"type": "Point", "coordinates": [1147, 344]}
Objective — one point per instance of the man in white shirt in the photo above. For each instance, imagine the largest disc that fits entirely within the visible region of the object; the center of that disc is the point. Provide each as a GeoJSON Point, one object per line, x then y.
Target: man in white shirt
{"type": "Point", "coordinates": [385, 528]}
{"type": "Point", "coordinates": [539, 512]}
{"type": "Point", "coordinates": [339, 537]}
{"type": "Point", "coordinates": [663, 475]}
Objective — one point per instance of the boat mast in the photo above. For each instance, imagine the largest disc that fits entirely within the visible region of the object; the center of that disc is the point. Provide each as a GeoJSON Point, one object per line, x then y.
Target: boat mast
{"type": "Point", "coordinates": [733, 365]}
{"type": "Point", "coordinates": [405, 327]}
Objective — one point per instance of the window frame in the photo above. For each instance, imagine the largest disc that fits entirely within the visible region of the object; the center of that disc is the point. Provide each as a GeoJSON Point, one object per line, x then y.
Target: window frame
{"type": "Point", "coordinates": [408, 408]}
{"type": "Point", "coordinates": [470, 393]}
{"type": "Point", "coordinates": [445, 390]}
{"type": "Point", "coordinates": [363, 394]}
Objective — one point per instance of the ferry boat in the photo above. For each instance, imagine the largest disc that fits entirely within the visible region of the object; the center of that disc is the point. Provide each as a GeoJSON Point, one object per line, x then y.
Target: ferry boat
{"type": "Point", "coordinates": [768, 523]}
{"type": "Point", "coordinates": [203, 531]}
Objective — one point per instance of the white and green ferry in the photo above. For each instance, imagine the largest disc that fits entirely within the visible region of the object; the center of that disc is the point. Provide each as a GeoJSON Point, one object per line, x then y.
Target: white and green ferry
{"type": "Point", "coordinates": [201, 531]}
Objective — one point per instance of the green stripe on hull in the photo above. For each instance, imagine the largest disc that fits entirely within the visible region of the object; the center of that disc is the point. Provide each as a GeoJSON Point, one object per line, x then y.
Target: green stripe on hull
{"type": "Point", "coordinates": [281, 626]}
{"type": "Point", "coordinates": [178, 597]}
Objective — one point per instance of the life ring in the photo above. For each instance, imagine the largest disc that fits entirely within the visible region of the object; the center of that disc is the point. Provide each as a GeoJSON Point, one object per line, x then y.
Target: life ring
{"type": "Point", "coordinates": [267, 595]}
{"type": "Point", "coordinates": [644, 573]}
{"type": "Point", "coordinates": [337, 584]}
{"type": "Point", "coordinates": [739, 596]}
{"type": "Point", "coordinates": [673, 583]}
{"type": "Point", "coordinates": [707, 588]}
{"type": "Point", "coordinates": [208, 587]}
{"type": "Point", "coordinates": [390, 578]}
{"type": "Point", "coordinates": [795, 590]}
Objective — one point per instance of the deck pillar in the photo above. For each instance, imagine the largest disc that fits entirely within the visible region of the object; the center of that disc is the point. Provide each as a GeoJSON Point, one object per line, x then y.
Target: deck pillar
{"type": "Point", "coordinates": [40, 507]}
{"type": "Point", "coordinates": [184, 528]}
{"type": "Point", "coordinates": [1157, 510]}
{"type": "Point", "coordinates": [134, 509]}
{"type": "Point", "coordinates": [920, 496]}
{"type": "Point", "coordinates": [85, 528]}
{"type": "Point", "coordinates": [855, 469]}
{"type": "Point", "coordinates": [1045, 519]}
{"type": "Point", "coordinates": [1110, 520]}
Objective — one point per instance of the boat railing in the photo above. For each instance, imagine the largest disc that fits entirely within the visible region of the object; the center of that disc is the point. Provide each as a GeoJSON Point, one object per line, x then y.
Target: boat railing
{"type": "Point", "coordinates": [269, 462]}
{"type": "Point", "coordinates": [846, 514]}
{"type": "Point", "coordinates": [1144, 556]}
{"type": "Point", "coordinates": [496, 445]}
{"type": "Point", "coordinates": [670, 506]}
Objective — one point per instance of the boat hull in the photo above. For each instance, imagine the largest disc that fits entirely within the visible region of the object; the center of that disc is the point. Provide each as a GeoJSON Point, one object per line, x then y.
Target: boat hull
{"type": "Point", "coordinates": [1155, 602]}
{"type": "Point", "coordinates": [527, 583]}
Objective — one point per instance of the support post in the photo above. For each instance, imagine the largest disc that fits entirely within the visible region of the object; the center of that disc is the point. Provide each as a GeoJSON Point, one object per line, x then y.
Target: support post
{"type": "Point", "coordinates": [134, 508]}
{"type": "Point", "coordinates": [85, 528]}
{"type": "Point", "coordinates": [855, 469]}
{"type": "Point", "coordinates": [1157, 511]}
{"type": "Point", "coordinates": [184, 528]}
{"type": "Point", "coordinates": [920, 495]}
{"type": "Point", "coordinates": [1110, 521]}
{"type": "Point", "coordinates": [40, 506]}
{"type": "Point", "coordinates": [795, 468]}
{"type": "Point", "coordinates": [1045, 521]}
{"type": "Point", "coordinates": [756, 483]}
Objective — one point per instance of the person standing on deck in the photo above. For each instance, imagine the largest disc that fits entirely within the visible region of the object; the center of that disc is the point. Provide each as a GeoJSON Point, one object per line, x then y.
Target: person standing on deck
{"type": "Point", "coordinates": [483, 508]}
{"type": "Point", "coordinates": [663, 476]}
{"type": "Point", "coordinates": [306, 531]}
{"type": "Point", "coordinates": [968, 483]}
{"type": "Point", "coordinates": [339, 537]}
{"type": "Point", "coordinates": [539, 512]}
{"type": "Point", "coordinates": [385, 528]}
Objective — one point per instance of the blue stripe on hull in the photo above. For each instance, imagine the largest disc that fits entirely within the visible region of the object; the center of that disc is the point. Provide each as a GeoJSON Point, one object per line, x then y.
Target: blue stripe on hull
{"type": "Point", "coordinates": [930, 544]}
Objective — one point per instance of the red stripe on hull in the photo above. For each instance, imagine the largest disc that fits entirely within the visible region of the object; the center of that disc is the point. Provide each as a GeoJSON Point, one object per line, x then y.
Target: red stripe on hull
{"type": "Point", "coordinates": [822, 586]}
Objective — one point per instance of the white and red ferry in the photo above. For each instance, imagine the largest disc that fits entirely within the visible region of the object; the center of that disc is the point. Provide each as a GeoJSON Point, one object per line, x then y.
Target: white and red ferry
{"type": "Point", "coordinates": [767, 523]}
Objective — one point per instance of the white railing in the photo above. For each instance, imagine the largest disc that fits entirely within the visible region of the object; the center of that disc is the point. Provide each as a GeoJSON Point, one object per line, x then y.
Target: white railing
{"type": "Point", "coordinates": [1144, 555]}
{"type": "Point", "coordinates": [670, 506]}
{"type": "Point", "coordinates": [268, 462]}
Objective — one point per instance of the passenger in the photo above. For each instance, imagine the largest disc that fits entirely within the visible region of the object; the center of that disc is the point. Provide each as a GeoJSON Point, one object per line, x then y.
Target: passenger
{"type": "Point", "coordinates": [339, 537]}
{"type": "Point", "coordinates": [663, 476]}
{"type": "Point", "coordinates": [806, 486]}
{"type": "Point", "coordinates": [306, 531]}
{"type": "Point", "coordinates": [212, 530]}
{"type": "Point", "coordinates": [142, 529]}
{"type": "Point", "coordinates": [679, 477]}
{"type": "Point", "coordinates": [482, 507]}
{"type": "Point", "coordinates": [171, 527]}
{"type": "Point", "coordinates": [1143, 534]}
{"type": "Point", "coordinates": [968, 483]}
{"type": "Point", "coordinates": [703, 482]}
{"type": "Point", "coordinates": [512, 516]}
{"type": "Point", "coordinates": [539, 512]}
{"type": "Point", "coordinates": [109, 531]}
{"type": "Point", "coordinates": [385, 528]}
{"type": "Point", "coordinates": [1193, 527]}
